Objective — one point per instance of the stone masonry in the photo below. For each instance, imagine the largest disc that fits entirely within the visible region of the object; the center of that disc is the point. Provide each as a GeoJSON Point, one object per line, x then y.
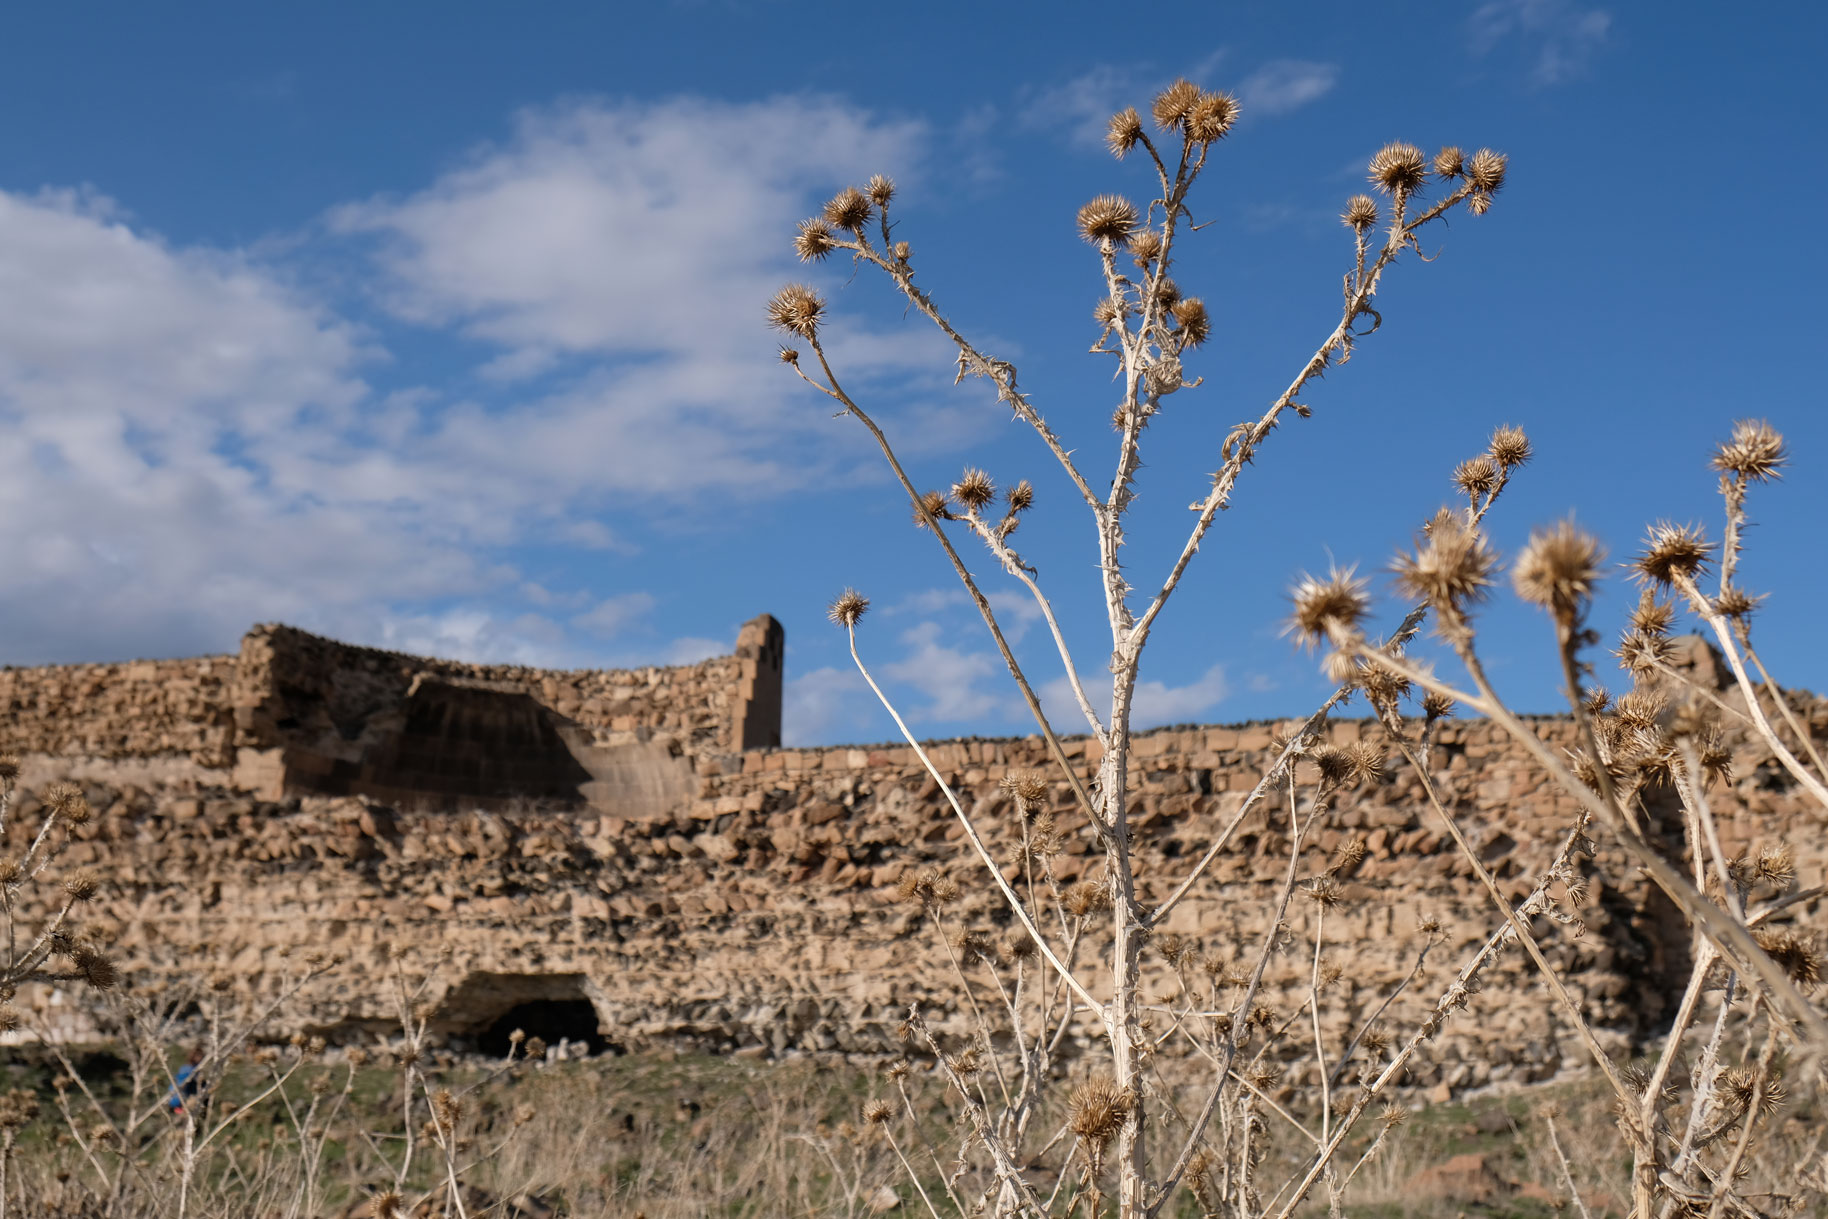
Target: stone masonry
{"type": "Point", "coordinates": [635, 846]}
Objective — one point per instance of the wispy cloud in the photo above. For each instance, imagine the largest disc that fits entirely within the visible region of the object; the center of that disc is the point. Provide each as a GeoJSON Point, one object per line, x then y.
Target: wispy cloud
{"type": "Point", "coordinates": [195, 444]}
{"type": "Point", "coordinates": [1283, 85]}
{"type": "Point", "coordinates": [1559, 39]}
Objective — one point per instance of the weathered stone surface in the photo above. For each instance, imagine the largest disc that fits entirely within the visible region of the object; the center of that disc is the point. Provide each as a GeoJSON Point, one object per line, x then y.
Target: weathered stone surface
{"type": "Point", "coordinates": [744, 900]}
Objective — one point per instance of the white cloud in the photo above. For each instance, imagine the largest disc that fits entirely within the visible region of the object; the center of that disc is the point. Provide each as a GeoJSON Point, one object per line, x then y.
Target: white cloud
{"type": "Point", "coordinates": [824, 705]}
{"type": "Point", "coordinates": [1082, 107]}
{"type": "Point", "coordinates": [192, 444]}
{"type": "Point", "coordinates": [1154, 703]}
{"type": "Point", "coordinates": [1560, 38]}
{"type": "Point", "coordinates": [614, 615]}
{"type": "Point", "coordinates": [949, 679]}
{"type": "Point", "coordinates": [1283, 85]}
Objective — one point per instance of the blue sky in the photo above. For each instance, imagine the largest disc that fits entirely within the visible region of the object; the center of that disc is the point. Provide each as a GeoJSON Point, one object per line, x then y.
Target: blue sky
{"type": "Point", "coordinates": [438, 327]}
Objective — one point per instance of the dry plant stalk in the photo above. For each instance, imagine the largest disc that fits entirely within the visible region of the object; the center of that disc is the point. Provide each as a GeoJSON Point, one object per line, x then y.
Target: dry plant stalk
{"type": "Point", "coordinates": [1130, 1135]}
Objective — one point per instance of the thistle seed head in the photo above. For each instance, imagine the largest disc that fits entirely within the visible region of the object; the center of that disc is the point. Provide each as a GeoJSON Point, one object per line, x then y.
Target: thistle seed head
{"type": "Point", "coordinates": [9, 768]}
{"type": "Point", "coordinates": [1451, 567]}
{"type": "Point", "coordinates": [1510, 447]}
{"type": "Point", "coordinates": [1776, 866]}
{"type": "Point", "coordinates": [1020, 497]}
{"type": "Point", "coordinates": [882, 189]}
{"type": "Point", "coordinates": [1559, 569]}
{"type": "Point", "coordinates": [1486, 172]}
{"type": "Point", "coordinates": [1324, 892]}
{"type": "Point", "coordinates": [1195, 325]}
{"type": "Point", "coordinates": [796, 309]}
{"type": "Point", "coordinates": [1755, 453]}
{"type": "Point", "coordinates": [82, 886]}
{"type": "Point", "coordinates": [1745, 1086]}
{"type": "Point", "coordinates": [1672, 552]}
{"type": "Point", "coordinates": [94, 967]}
{"type": "Point", "coordinates": [1798, 954]}
{"type": "Point", "coordinates": [1641, 710]}
{"type": "Point", "coordinates": [815, 240]}
{"type": "Point", "coordinates": [1653, 617]}
{"type": "Point", "coordinates": [1030, 788]}
{"type": "Point", "coordinates": [876, 1112]}
{"type": "Point", "coordinates": [1449, 163]}
{"type": "Point", "coordinates": [1477, 476]}
{"type": "Point", "coordinates": [1211, 117]}
{"type": "Point", "coordinates": [1399, 168]}
{"type": "Point", "coordinates": [1478, 203]}
{"type": "Point", "coordinates": [1175, 103]}
{"type": "Point", "coordinates": [1736, 603]}
{"type": "Point", "coordinates": [1097, 1110]}
{"type": "Point", "coordinates": [1087, 897]}
{"type": "Point", "coordinates": [388, 1204]}
{"type": "Point", "coordinates": [1334, 766]}
{"type": "Point", "coordinates": [1146, 247]}
{"type": "Point", "coordinates": [1321, 606]}
{"type": "Point", "coordinates": [848, 608]}
{"type": "Point", "coordinates": [1124, 131]}
{"type": "Point", "coordinates": [848, 209]}
{"type": "Point", "coordinates": [1360, 214]}
{"type": "Point", "coordinates": [1350, 854]}
{"type": "Point", "coordinates": [66, 800]}
{"type": "Point", "coordinates": [932, 508]}
{"type": "Point", "coordinates": [1367, 760]}
{"type": "Point", "coordinates": [1437, 706]}
{"type": "Point", "coordinates": [974, 489]}
{"type": "Point", "coordinates": [1109, 218]}
{"type": "Point", "coordinates": [929, 887]}
{"type": "Point", "coordinates": [1107, 313]}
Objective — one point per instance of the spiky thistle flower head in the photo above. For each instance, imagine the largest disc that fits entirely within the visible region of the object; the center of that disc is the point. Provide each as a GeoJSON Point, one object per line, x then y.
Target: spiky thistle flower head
{"type": "Point", "coordinates": [1097, 1110]}
{"type": "Point", "coordinates": [1028, 787]}
{"type": "Point", "coordinates": [1477, 476]}
{"type": "Point", "coordinates": [1175, 103]}
{"type": "Point", "coordinates": [882, 189]}
{"type": "Point", "coordinates": [1451, 566]}
{"type": "Point", "coordinates": [1321, 606]}
{"type": "Point", "coordinates": [849, 209]}
{"type": "Point", "coordinates": [1755, 453]}
{"type": "Point", "coordinates": [66, 800]}
{"type": "Point", "coordinates": [1211, 117]}
{"type": "Point", "coordinates": [1436, 705]}
{"type": "Point", "coordinates": [1559, 569]}
{"type": "Point", "coordinates": [1190, 315]}
{"type": "Point", "coordinates": [796, 309]}
{"type": "Point", "coordinates": [1109, 218]}
{"type": "Point", "coordinates": [1745, 1087]}
{"type": "Point", "coordinates": [1509, 447]}
{"type": "Point", "coordinates": [848, 608]}
{"type": "Point", "coordinates": [1332, 763]}
{"type": "Point", "coordinates": [82, 885]}
{"type": "Point", "coordinates": [1146, 247]}
{"type": "Point", "coordinates": [388, 1204]}
{"type": "Point", "coordinates": [1360, 214]}
{"type": "Point", "coordinates": [1486, 171]}
{"type": "Point", "coordinates": [876, 1112]}
{"type": "Point", "coordinates": [1087, 897]}
{"type": "Point", "coordinates": [1367, 758]}
{"type": "Point", "coordinates": [1349, 855]}
{"type": "Point", "coordinates": [1797, 953]}
{"type": "Point", "coordinates": [1124, 131]}
{"type": "Point", "coordinates": [1020, 497]}
{"type": "Point", "coordinates": [1776, 866]}
{"type": "Point", "coordinates": [1399, 168]}
{"type": "Point", "coordinates": [932, 508]}
{"type": "Point", "coordinates": [815, 239]}
{"type": "Point", "coordinates": [974, 489]}
{"type": "Point", "coordinates": [1324, 892]}
{"type": "Point", "coordinates": [1672, 552]}
{"type": "Point", "coordinates": [1449, 163]}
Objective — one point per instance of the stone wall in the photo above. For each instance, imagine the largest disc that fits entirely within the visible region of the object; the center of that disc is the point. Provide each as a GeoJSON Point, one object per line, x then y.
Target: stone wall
{"type": "Point", "coordinates": [751, 906]}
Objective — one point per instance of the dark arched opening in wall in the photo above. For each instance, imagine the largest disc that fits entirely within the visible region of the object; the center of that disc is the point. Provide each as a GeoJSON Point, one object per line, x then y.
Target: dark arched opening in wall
{"type": "Point", "coordinates": [553, 1021]}
{"type": "Point", "coordinates": [485, 1009]}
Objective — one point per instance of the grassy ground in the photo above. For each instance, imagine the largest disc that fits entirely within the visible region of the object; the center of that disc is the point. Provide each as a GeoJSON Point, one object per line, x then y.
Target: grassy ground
{"type": "Point", "coordinates": [674, 1136]}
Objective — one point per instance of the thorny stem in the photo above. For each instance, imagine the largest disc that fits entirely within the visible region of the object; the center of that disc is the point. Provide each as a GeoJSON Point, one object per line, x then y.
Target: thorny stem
{"type": "Point", "coordinates": [977, 843]}
{"type": "Point", "coordinates": [1731, 938]}
{"type": "Point", "coordinates": [836, 392]}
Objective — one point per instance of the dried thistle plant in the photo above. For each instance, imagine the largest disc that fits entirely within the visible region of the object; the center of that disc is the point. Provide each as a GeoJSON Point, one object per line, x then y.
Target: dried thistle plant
{"type": "Point", "coordinates": [1142, 1136]}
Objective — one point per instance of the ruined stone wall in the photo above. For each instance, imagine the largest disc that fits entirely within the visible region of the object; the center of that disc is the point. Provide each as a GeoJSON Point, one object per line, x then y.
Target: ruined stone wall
{"type": "Point", "coordinates": [139, 709]}
{"type": "Point", "coordinates": [760, 912]}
